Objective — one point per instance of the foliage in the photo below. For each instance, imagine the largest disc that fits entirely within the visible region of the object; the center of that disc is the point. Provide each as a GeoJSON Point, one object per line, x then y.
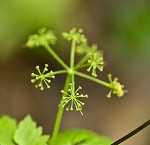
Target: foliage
{"type": "Point", "coordinates": [23, 133]}
{"type": "Point", "coordinates": [81, 137]}
{"type": "Point", "coordinates": [26, 133]}
{"type": "Point", "coordinates": [7, 130]}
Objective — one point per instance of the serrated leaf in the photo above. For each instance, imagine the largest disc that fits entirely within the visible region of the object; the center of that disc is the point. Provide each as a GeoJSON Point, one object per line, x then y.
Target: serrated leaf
{"type": "Point", "coordinates": [7, 129]}
{"type": "Point", "coordinates": [28, 134]}
{"type": "Point", "coordinates": [81, 137]}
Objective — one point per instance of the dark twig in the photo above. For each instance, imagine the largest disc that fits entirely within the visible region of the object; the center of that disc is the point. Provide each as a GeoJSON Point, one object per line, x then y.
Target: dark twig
{"type": "Point", "coordinates": [131, 133]}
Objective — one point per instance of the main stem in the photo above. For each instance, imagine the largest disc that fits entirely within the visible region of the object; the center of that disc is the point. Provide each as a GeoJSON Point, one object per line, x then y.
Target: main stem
{"type": "Point", "coordinates": [59, 116]}
{"type": "Point", "coordinates": [70, 78]}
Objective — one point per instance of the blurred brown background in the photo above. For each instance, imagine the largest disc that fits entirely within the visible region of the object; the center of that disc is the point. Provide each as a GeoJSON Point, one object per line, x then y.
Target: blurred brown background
{"type": "Point", "coordinates": [120, 28]}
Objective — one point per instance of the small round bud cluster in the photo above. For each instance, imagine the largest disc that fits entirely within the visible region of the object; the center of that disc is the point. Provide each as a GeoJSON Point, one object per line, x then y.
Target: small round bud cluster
{"type": "Point", "coordinates": [75, 35]}
{"type": "Point", "coordinates": [116, 87]}
{"type": "Point", "coordinates": [42, 38]}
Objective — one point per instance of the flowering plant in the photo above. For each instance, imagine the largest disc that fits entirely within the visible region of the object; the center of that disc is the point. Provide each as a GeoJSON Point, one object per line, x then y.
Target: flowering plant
{"type": "Point", "coordinates": [26, 132]}
{"type": "Point", "coordinates": [92, 59]}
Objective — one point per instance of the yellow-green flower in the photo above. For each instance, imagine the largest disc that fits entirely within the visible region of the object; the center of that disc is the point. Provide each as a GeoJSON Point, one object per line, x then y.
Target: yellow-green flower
{"type": "Point", "coordinates": [71, 99]}
{"type": "Point", "coordinates": [95, 62]}
{"type": "Point", "coordinates": [116, 87]}
{"type": "Point", "coordinates": [42, 78]}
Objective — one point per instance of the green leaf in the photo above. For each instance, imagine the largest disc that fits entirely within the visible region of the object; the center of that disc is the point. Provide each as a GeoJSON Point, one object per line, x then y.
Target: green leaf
{"type": "Point", "coordinates": [7, 129]}
{"type": "Point", "coordinates": [81, 137]}
{"type": "Point", "coordinates": [28, 134]}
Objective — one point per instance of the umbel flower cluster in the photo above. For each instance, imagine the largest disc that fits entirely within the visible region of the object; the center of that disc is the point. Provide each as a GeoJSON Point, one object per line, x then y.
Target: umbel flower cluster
{"type": "Point", "coordinates": [71, 98]}
{"type": "Point", "coordinates": [91, 59]}
{"type": "Point", "coordinates": [42, 78]}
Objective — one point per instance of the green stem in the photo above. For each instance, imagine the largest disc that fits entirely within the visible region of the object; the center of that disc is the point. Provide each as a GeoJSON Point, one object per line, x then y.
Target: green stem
{"type": "Point", "coordinates": [72, 54]}
{"type": "Point", "coordinates": [56, 72]}
{"type": "Point", "coordinates": [82, 66]}
{"type": "Point", "coordinates": [49, 49]}
{"type": "Point", "coordinates": [60, 111]}
{"type": "Point", "coordinates": [72, 59]}
{"type": "Point", "coordinates": [73, 83]}
{"type": "Point", "coordinates": [93, 79]}
{"type": "Point", "coordinates": [81, 62]}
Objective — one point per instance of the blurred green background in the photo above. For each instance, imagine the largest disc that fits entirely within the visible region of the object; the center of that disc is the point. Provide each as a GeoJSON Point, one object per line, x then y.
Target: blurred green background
{"type": "Point", "coordinates": [122, 31]}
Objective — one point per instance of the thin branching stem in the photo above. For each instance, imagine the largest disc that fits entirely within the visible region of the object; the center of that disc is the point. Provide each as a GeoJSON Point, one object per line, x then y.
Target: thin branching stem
{"type": "Point", "coordinates": [81, 62]}
{"type": "Point", "coordinates": [57, 72]}
{"type": "Point", "coordinates": [72, 54]}
{"type": "Point", "coordinates": [93, 79]}
{"type": "Point", "coordinates": [49, 49]}
{"type": "Point", "coordinates": [72, 59]}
